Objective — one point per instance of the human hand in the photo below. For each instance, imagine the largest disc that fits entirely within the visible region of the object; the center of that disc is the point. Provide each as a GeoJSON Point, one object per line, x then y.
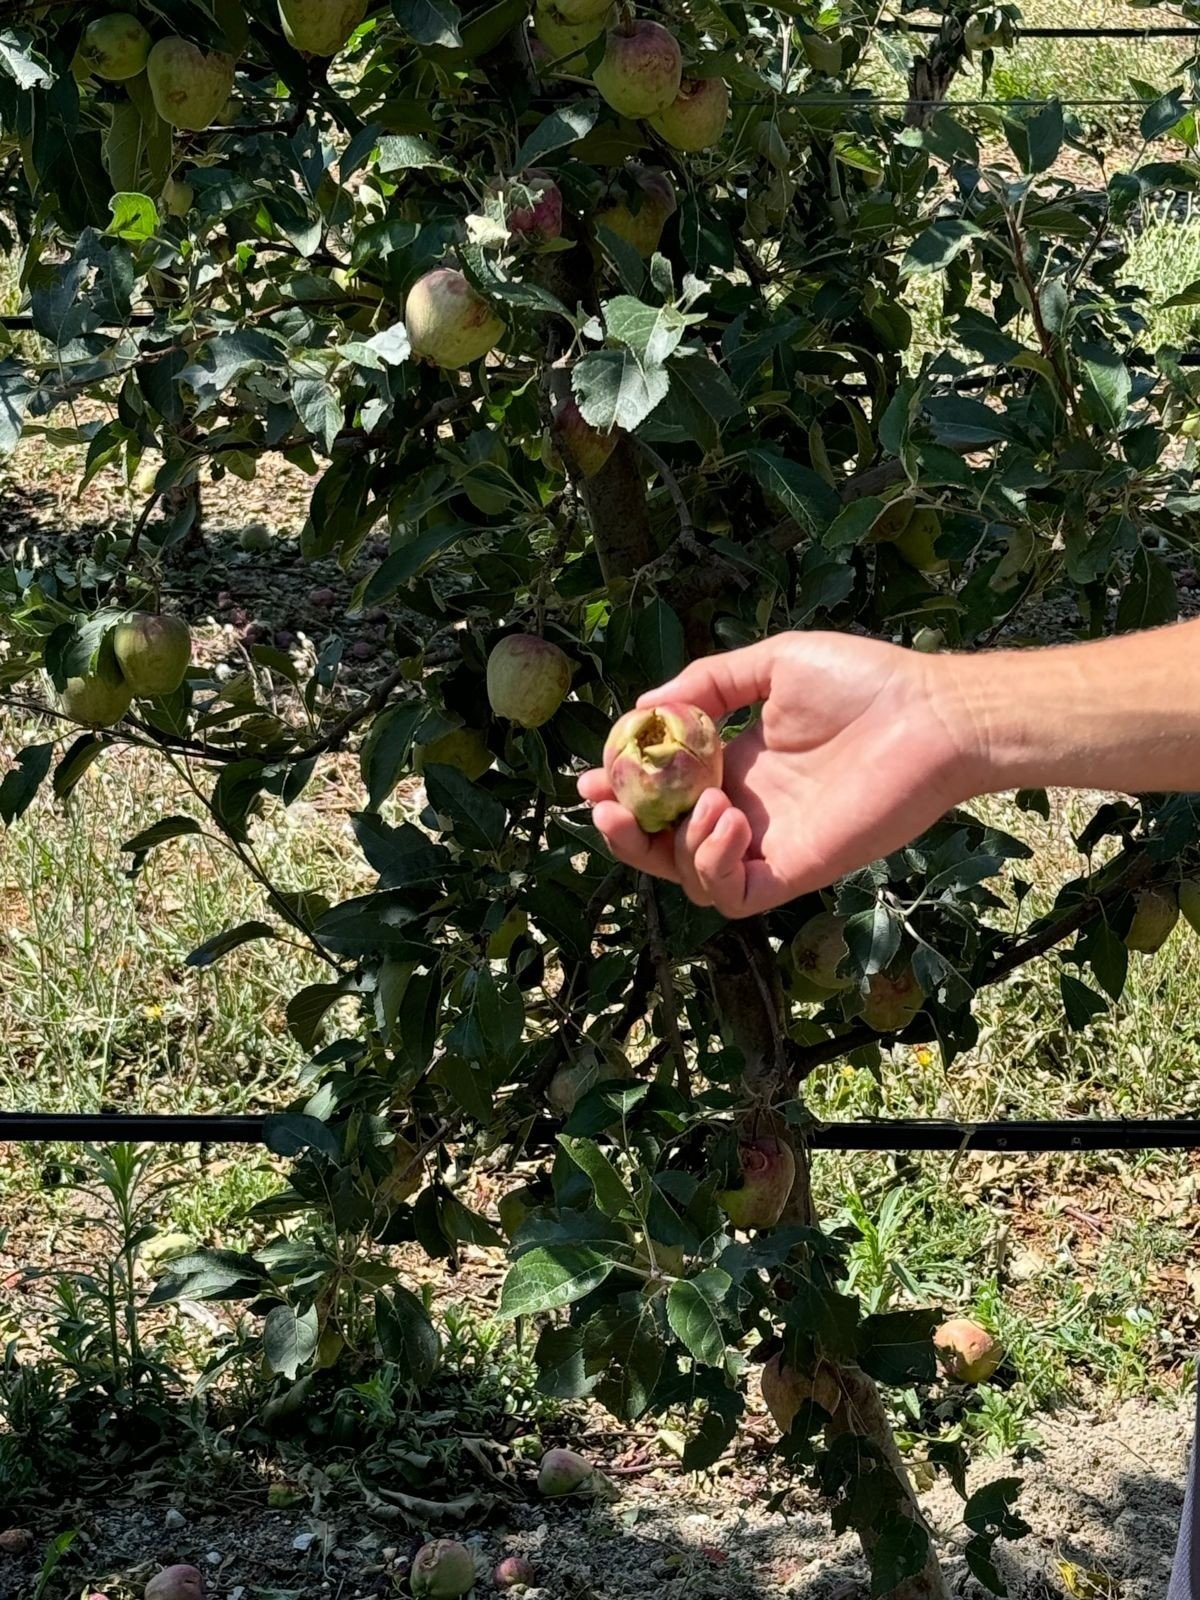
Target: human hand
{"type": "Point", "coordinates": [856, 752]}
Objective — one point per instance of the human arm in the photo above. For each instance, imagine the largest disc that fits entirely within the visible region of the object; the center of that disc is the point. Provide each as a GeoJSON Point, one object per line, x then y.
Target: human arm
{"type": "Point", "coordinates": [862, 745]}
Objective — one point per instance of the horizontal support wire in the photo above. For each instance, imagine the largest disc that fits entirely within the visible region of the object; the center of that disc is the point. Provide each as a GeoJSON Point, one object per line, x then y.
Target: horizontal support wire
{"type": "Point", "coordinates": [1075, 1134]}
{"type": "Point", "coordinates": [1021, 32]}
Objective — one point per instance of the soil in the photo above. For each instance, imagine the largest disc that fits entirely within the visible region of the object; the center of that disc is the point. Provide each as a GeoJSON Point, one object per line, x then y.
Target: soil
{"type": "Point", "coordinates": [1102, 1495]}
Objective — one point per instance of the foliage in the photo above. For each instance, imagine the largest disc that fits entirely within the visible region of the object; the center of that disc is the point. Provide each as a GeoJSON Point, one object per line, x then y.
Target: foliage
{"type": "Point", "coordinates": [236, 292]}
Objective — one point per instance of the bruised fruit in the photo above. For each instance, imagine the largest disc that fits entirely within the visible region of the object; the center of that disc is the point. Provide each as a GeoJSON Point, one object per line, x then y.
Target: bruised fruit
{"type": "Point", "coordinates": [514, 1572]}
{"type": "Point", "coordinates": [564, 1472]}
{"type": "Point", "coordinates": [819, 949]}
{"type": "Point", "coordinates": [176, 1583]}
{"type": "Point", "coordinates": [768, 1171]}
{"type": "Point", "coordinates": [642, 69]}
{"type": "Point", "coordinates": [320, 27]}
{"type": "Point", "coordinates": [1156, 911]}
{"type": "Point", "coordinates": [447, 322]}
{"type": "Point", "coordinates": [153, 652]}
{"type": "Point", "coordinates": [697, 116]}
{"type": "Point", "coordinates": [660, 760]}
{"type": "Point", "coordinates": [586, 447]}
{"type": "Point", "coordinates": [189, 85]}
{"type": "Point", "coordinates": [892, 1000]}
{"type": "Point", "coordinates": [534, 208]}
{"type": "Point", "coordinates": [641, 227]}
{"type": "Point", "coordinates": [97, 699]}
{"type": "Point", "coordinates": [784, 1391]}
{"type": "Point", "coordinates": [442, 1570]}
{"type": "Point", "coordinates": [565, 41]}
{"type": "Point", "coordinates": [966, 1351]}
{"type": "Point", "coordinates": [115, 47]}
{"type": "Point", "coordinates": [462, 748]}
{"type": "Point", "coordinates": [527, 679]}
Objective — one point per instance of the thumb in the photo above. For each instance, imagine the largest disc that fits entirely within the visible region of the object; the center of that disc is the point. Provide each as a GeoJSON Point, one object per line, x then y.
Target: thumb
{"type": "Point", "coordinates": [722, 683]}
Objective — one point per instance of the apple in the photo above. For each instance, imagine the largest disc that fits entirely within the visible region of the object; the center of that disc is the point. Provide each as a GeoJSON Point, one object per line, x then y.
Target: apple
{"type": "Point", "coordinates": [564, 1472]}
{"type": "Point", "coordinates": [892, 520]}
{"type": "Point", "coordinates": [660, 760]}
{"type": "Point", "coordinates": [534, 208]}
{"type": "Point", "coordinates": [189, 85]}
{"type": "Point", "coordinates": [514, 1572]}
{"type": "Point", "coordinates": [448, 323]}
{"type": "Point", "coordinates": [966, 1351]}
{"type": "Point", "coordinates": [819, 949]}
{"type": "Point", "coordinates": [917, 543]}
{"type": "Point", "coordinates": [929, 640]}
{"type": "Point", "coordinates": [442, 1570]}
{"type": "Point", "coordinates": [587, 447]}
{"type": "Point", "coordinates": [177, 197]}
{"type": "Point", "coordinates": [96, 699]}
{"type": "Point", "coordinates": [768, 1169]}
{"type": "Point", "coordinates": [115, 47]}
{"type": "Point", "coordinates": [527, 679]}
{"type": "Point", "coordinates": [641, 70]}
{"type": "Point", "coordinates": [1156, 911]}
{"type": "Point", "coordinates": [176, 1583]}
{"type": "Point", "coordinates": [565, 41]}
{"type": "Point", "coordinates": [153, 652]}
{"type": "Point", "coordinates": [642, 228]}
{"type": "Point", "coordinates": [462, 748]}
{"type": "Point", "coordinates": [784, 1391]}
{"type": "Point", "coordinates": [697, 116]}
{"type": "Point", "coordinates": [320, 27]}
{"type": "Point", "coordinates": [581, 11]}
{"type": "Point", "coordinates": [892, 1000]}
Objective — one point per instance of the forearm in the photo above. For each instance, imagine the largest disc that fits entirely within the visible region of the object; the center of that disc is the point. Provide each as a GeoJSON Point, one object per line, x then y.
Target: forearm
{"type": "Point", "coordinates": [1118, 714]}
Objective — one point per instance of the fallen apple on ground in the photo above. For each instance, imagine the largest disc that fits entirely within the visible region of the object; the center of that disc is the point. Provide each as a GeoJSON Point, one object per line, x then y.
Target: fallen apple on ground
{"type": "Point", "coordinates": [966, 1351]}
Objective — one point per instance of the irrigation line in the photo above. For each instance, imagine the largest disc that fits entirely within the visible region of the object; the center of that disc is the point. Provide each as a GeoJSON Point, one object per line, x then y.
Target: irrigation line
{"type": "Point", "coordinates": [1020, 32]}
{"type": "Point", "coordinates": [1075, 1134]}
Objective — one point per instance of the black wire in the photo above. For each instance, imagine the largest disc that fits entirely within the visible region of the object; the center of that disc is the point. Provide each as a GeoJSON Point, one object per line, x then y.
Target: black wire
{"type": "Point", "coordinates": [1020, 32]}
{"type": "Point", "coordinates": [1079, 1133]}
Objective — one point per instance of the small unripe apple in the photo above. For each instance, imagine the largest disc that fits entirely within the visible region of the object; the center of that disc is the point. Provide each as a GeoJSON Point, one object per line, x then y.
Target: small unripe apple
{"type": "Point", "coordinates": [1156, 911]}
{"type": "Point", "coordinates": [819, 949]}
{"type": "Point", "coordinates": [176, 1583]}
{"type": "Point", "coordinates": [177, 197]}
{"type": "Point", "coordinates": [565, 41]}
{"type": "Point", "coordinates": [892, 520]}
{"type": "Point", "coordinates": [643, 228]}
{"type": "Point", "coordinates": [641, 70]}
{"type": "Point", "coordinates": [697, 116]}
{"type": "Point", "coordinates": [1189, 902]}
{"type": "Point", "coordinates": [320, 27]}
{"type": "Point", "coordinates": [892, 1000]}
{"type": "Point", "coordinates": [586, 447]}
{"type": "Point", "coordinates": [917, 543]}
{"type": "Point", "coordinates": [535, 208]}
{"type": "Point", "coordinates": [462, 748]}
{"type": "Point", "coordinates": [660, 760]}
{"type": "Point", "coordinates": [442, 1570]}
{"type": "Point", "coordinates": [188, 85]}
{"type": "Point", "coordinates": [768, 1170]}
{"type": "Point", "coordinates": [564, 1472]}
{"type": "Point", "coordinates": [153, 653]}
{"type": "Point", "coordinates": [784, 1391]}
{"type": "Point", "coordinates": [115, 47]}
{"type": "Point", "coordinates": [447, 322]}
{"type": "Point", "coordinates": [98, 700]}
{"type": "Point", "coordinates": [966, 1351]}
{"type": "Point", "coordinates": [514, 1572]}
{"type": "Point", "coordinates": [527, 679]}
{"type": "Point", "coordinates": [929, 640]}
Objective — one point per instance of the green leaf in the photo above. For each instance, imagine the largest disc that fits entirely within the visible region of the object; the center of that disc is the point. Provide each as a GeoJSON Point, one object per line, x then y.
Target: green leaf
{"type": "Point", "coordinates": [403, 564]}
{"type": "Point", "coordinates": [291, 1132]}
{"type": "Point", "coordinates": [1159, 117]}
{"type": "Point", "coordinates": [23, 780]}
{"type": "Point", "coordinates": [1036, 135]}
{"type": "Point", "coordinates": [211, 1275]}
{"type": "Point", "coordinates": [852, 523]}
{"type": "Point", "coordinates": [614, 390]}
{"type": "Point", "coordinates": [612, 1195]}
{"type": "Point", "coordinates": [558, 1357]}
{"type": "Point", "coordinates": [385, 756]}
{"type": "Point", "coordinates": [83, 751]}
{"type": "Point", "coordinates": [559, 129]}
{"type": "Point", "coordinates": [990, 1510]}
{"type": "Point", "coordinates": [307, 1008]}
{"type": "Point", "coordinates": [160, 833]}
{"type": "Point", "coordinates": [934, 249]}
{"type": "Point", "coordinates": [873, 938]}
{"type": "Point", "coordinates": [715, 1433]}
{"type": "Point", "coordinates": [403, 152]}
{"type": "Point", "coordinates": [430, 22]}
{"type": "Point", "coordinates": [222, 943]}
{"type": "Point", "coordinates": [477, 820]}
{"type": "Point", "coordinates": [290, 1339]}
{"type": "Point", "coordinates": [403, 856]}
{"type": "Point", "coordinates": [407, 1337]}
{"type": "Point", "coordinates": [27, 67]}
{"type": "Point", "coordinates": [1149, 597]}
{"type": "Point", "coordinates": [651, 332]}
{"type": "Point", "coordinates": [659, 642]}
{"type": "Point", "coordinates": [1081, 1003]}
{"type": "Point", "coordinates": [692, 1312]}
{"type": "Point", "coordinates": [899, 1552]}
{"type": "Point", "coordinates": [553, 1275]}
{"type": "Point", "coordinates": [801, 492]}
{"type": "Point", "coordinates": [1107, 382]}
{"type": "Point", "coordinates": [16, 391]}
{"type": "Point", "coordinates": [897, 1347]}
{"type": "Point", "coordinates": [134, 217]}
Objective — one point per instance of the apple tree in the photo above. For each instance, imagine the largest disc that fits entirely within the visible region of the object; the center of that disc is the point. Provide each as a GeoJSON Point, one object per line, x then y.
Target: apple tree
{"type": "Point", "coordinates": [640, 333]}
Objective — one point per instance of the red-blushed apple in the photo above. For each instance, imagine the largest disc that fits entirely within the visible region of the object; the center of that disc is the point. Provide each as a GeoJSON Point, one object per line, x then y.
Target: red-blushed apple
{"type": "Point", "coordinates": [892, 1000]}
{"type": "Point", "coordinates": [641, 227]}
{"type": "Point", "coordinates": [564, 1472]}
{"type": "Point", "coordinates": [660, 759]}
{"type": "Point", "coordinates": [696, 117]}
{"type": "Point", "coordinates": [819, 949]}
{"type": "Point", "coordinates": [784, 1391]}
{"type": "Point", "coordinates": [189, 85]}
{"type": "Point", "coordinates": [768, 1171]}
{"type": "Point", "coordinates": [527, 679]}
{"type": "Point", "coordinates": [514, 1572]}
{"type": "Point", "coordinates": [966, 1351]}
{"type": "Point", "coordinates": [442, 1570]}
{"type": "Point", "coordinates": [448, 323]}
{"type": "Point", "coordinates": [641, 70]}
{"type": "Point", "coordinates": [534, 208]}
{"type": "Point", "coordinates": [586, 447]}
{"type": "Point", "coordinates": [176, 1583]}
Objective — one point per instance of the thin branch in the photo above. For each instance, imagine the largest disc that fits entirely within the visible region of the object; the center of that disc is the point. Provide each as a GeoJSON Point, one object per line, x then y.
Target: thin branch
{"type": "Point", "coordinates": [666, 986]}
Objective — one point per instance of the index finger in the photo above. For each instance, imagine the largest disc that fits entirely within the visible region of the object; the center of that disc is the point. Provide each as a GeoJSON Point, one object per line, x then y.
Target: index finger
{"type": "Point", "coordinates": [720, 684]}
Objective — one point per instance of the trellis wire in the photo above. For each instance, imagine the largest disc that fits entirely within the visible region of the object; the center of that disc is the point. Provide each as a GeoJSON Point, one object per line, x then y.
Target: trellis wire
{"type": "Point", "coordinates": [1075, 1134]}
